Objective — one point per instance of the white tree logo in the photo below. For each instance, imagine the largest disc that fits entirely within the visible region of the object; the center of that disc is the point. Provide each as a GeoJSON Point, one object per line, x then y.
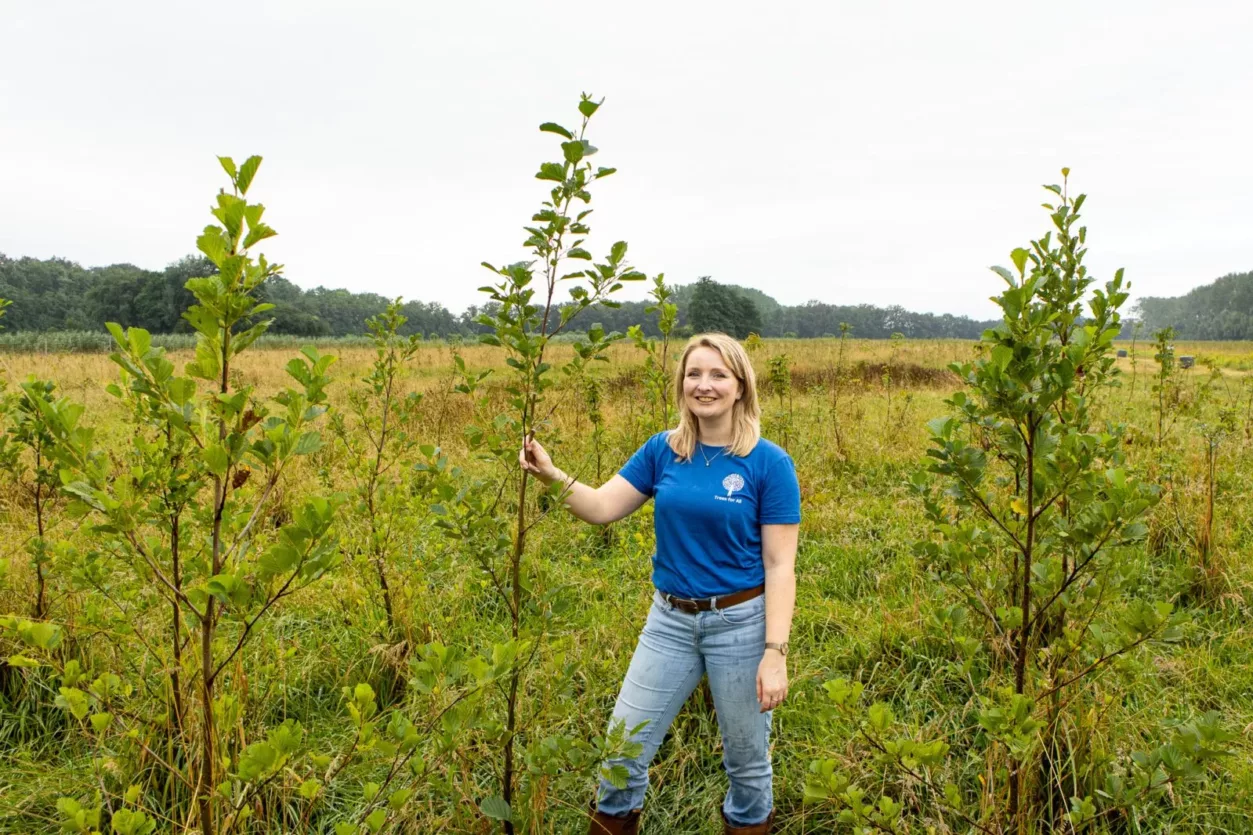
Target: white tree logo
{"type": "Point", "coordinates": [732, 483]}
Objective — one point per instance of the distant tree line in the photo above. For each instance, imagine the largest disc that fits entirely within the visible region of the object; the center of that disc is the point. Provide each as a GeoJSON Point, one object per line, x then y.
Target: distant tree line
{"type": "Point", "coordinates": [59, 295]}
{"type": "Point", "coordinates": [1222, 309]}
{"type": "Point", "coordinates": [707, 305]}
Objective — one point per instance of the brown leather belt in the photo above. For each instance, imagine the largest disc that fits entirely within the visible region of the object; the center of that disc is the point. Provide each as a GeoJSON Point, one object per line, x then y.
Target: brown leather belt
{"type": "Point", "coordinates": [704, 604]}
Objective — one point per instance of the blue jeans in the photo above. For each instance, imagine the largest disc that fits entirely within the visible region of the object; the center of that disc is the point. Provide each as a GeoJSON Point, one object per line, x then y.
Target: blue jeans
{"type": "Point", "coordinates": [675, 650]}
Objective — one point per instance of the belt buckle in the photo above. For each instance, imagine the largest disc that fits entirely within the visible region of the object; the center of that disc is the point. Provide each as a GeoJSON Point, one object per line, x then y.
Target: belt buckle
{"type": "Point", "coordinates": [691, 607]}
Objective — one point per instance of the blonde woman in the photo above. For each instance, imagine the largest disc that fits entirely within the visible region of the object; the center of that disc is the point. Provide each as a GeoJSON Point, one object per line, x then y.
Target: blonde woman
{"type": "Point", "coordinates": [726, 515]}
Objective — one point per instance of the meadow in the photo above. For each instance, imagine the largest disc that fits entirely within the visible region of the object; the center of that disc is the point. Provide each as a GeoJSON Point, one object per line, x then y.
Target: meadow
{"type": "Point", "coordinates": [854, 416]}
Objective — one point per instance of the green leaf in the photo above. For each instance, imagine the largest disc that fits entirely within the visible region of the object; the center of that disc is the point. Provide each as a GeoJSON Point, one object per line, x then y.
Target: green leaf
{"type": "Point", "coordinates": [573, 151]}
{"type": "Point", "coordinates": [587, 107]}
{"type": "Point", "coordinates": [216, 459]}
{"type": "Point", "coordinates": [211, 244]}
{"type": "Point", "coordinates": [258, 760]}
{"type": "Point", "coordinates": [496, 808]}
{"type": "Point", "coordinates": [551, 171]}
{"type": "Point", "coordinates": [257, 234]}
{"type": "Point", "coordinates": [617, 775]}
{"type": "Point", "coordinates": [42, 635]}
{"type": "Point", "coordinates": [222, 586]}
{"type": "Point", "coordinates": [1019, 257]}
{"type": "Point", "coordinates": [279, 558]}
{"type": "Point", "coordinates": [553, 127]}
{"type": "Point", "coordinates": [1005, 274]}
{"type": "Point", "coordinates": [131, 822]}
{"type": "Point", "coordinates": [75, 701]}
{"type": "Point", "coordinates": [309, 442]}
{"type": "Point", "coordinates": [246, 172]}
{"type": "Point", "coordinates": [374, 822]}
{"type": "Point", "coordinates": [140, 340]}
{"type": "Point", "coordinates": [72, 673]}
{"type": "Point", "coordinates": [1001, 355]}
{"type": "Point", "coordinates": [118, 335]}
{"type": "Point", "coordinates": [880, 716]}
{"type": "Point", "coordinates": [938, 427]}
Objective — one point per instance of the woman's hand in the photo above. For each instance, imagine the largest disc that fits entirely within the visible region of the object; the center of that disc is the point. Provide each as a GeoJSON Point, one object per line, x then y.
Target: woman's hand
{"type": "Point", "coordinates": [533, 459]}
{"type": "Point", "coordinates": [771, 680]}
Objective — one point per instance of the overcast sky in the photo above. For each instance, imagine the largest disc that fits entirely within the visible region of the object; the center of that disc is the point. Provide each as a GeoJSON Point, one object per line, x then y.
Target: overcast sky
{"type": "Point", "coordinates": [884, 153]}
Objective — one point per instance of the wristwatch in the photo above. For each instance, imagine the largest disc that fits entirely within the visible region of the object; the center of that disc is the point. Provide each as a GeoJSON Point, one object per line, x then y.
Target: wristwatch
{"type": "Point", "coordinates": [782, 648]}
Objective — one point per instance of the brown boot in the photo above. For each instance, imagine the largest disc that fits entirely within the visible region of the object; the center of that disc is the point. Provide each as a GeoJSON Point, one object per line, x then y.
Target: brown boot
{"type": "Point", "coordinates": [762, 828]}
{"type": "Point", "coordinates": [603, 824]}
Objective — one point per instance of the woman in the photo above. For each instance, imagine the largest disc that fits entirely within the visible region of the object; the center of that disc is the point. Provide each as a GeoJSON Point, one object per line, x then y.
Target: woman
{"type": "Point", "coordinates": [727, 511]}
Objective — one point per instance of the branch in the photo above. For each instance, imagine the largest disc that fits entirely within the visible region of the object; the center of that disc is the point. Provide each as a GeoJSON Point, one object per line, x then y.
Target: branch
{"type": "Point", "coordinates": [256, 512]}
{"type": "Point", "coordinates": [248, 624]}
{"type": "Point", "coordinates": [1099, 662]}
{"type": "Point", "coordinates": [156, 571]}
{"type": "Point", "coordinates": [398, 761]}
{"type": "Point", "coordinates": [896, 760]}
{"type": "Point", "coordinates": [983, 505]}
{"type": "Point", "coordinates": [1070, 580]}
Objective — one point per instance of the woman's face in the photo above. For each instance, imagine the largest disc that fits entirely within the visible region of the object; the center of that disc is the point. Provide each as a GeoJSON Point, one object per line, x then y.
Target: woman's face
{"type": "Point", "coordinates": [709, 387]}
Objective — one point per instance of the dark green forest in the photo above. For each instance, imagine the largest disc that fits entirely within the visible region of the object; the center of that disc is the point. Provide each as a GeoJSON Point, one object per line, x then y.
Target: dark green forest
{"type": "Point", "coordinates": [60, 295]}
{"type": "Point", "coordinates": [1220, 310]}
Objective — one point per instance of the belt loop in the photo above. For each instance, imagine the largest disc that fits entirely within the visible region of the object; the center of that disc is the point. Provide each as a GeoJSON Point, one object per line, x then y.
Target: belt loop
{"type": "Point", "coordinates": [713, 603]}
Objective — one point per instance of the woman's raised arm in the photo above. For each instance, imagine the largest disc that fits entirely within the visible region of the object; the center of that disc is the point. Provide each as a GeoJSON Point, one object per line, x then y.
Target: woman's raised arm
{"type": "Point", "coordinates": [610, 502]}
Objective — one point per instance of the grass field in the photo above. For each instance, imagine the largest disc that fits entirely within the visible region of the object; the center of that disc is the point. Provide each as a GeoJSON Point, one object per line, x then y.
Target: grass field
{"type": "Point", "coordinates": [864, 610]}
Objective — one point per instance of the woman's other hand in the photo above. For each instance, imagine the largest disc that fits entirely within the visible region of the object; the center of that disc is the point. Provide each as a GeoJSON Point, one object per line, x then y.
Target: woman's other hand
{"type": "Point", "coordinates": [534, 459]}
{"type": "Point", "coordinates": [771, 680]}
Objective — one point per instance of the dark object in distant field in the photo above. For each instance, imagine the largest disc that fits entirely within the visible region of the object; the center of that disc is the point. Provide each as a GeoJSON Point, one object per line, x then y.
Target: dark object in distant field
{"type": "Point", "coordinates": [1187, 362]}
{"type": "Point", "coordinates": [1122, 352]}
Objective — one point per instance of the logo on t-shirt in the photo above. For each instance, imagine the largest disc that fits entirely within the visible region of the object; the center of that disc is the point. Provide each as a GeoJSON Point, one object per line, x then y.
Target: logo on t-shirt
{"type": "Point", "coordinates": [731, 483]}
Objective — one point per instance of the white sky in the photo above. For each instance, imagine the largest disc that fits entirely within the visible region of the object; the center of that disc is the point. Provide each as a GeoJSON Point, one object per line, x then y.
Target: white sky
{"type": "Point", "coordinates": [849, 152]}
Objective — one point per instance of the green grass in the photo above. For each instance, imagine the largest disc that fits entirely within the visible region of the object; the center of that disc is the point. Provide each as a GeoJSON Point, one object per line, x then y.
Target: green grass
{"type": "Point", "coordinates": [862, 613]}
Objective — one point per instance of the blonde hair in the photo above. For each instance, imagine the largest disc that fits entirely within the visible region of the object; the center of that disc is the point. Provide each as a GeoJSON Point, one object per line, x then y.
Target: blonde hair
{"type": "Point", "coordinates": [745, 414]}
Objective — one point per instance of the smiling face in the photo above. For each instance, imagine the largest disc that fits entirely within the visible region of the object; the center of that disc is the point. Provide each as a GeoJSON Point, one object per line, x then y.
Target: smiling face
{"type": "Point", "coordinates": [709, 388]}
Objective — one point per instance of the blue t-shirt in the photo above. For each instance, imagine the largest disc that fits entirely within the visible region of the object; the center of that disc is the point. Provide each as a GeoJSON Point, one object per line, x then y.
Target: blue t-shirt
{"type": "Point", "coordinates": [708, 518]}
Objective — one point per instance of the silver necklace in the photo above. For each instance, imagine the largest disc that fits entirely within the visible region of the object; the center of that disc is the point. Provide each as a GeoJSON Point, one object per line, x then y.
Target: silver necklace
{"type": "Point", "coordinates": [708, 460]}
